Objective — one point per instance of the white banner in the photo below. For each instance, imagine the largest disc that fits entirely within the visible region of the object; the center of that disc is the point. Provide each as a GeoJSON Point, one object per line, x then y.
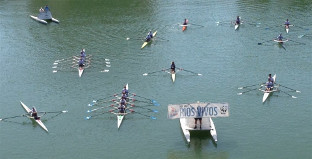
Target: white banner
{"type": "Point", "coordinates": [198, 110]}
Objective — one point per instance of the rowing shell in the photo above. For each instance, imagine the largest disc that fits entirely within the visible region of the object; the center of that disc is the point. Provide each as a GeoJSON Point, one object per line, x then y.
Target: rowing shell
{"type": "Point", "coordinates": [188, 124]}
{"type": "Point", "coordinates": [173, 74]}
{"type": "Point", "coordinates": [80, 71]}
{"type": "Point", "coordinates": [287, 28]}
{"type": "Point", "coordinates": [184, 27]}
{"type": "Point", "coordinates": [147, 42]}
{"type": "Point", "coordinates": [120, 116]}
{"type": "Point", "coordinates": [267, 93]}
{"type": "Point", "coordinates": [32, 118]}
{"type": "Point", "coordinates": [236, 26]}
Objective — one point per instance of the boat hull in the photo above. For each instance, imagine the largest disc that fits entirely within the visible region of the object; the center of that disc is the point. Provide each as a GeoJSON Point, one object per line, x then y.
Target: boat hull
{"type": "Point", "coordinates": [80, 71]}
{"type": "Point", "coordinates": [120, 117]}
{"type": "Point", "coordinates": [38, 121]}
{"type": "Point", "coordinates": [173, 75]}
{"type": "Point", "coordinates": [188, 124]}
{"type": "Point", "coordinates": [38, 20]}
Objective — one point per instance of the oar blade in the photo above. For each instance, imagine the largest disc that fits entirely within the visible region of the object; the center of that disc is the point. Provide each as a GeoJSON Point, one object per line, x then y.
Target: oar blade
{"type": "Point", "coordinates": [145, 74]}
{"type": "Point", "coordinates": [88, 117]}
{"type": "Point", "coordinates": [153, 118]}
{"type": "Point", "coordinates": [239, 93]}
{"type": "Point", "coordinates": [293, 97]}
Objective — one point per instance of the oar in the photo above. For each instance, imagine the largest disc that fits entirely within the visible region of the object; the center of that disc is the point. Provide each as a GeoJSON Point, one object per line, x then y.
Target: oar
{"type": "Point", "coordinates": [89, 117]}
{"type": "Point", "coordinates": [1, 119]}
{"type": "Point", "coordinates": [264, 42]}
{"type": "Point", "coordinates": [290, 88]}
{"type": "Point", "coordinates": [151, 117]}
{"type": "Point", "coordinates": [152, 100]}
{"type": "Point", "coordinates": [197, 24]}
{"type": "Point", "coordinates": [92, 110]}
{"type": "Point", "coordinates": [182, 69]}
{"type": "Point", "coordinates": [145, 74]}
{"type": "Point", "coordinates": [246, 91]}
{"type": "Point", "coordinates": [250, 86]}
{"type": "Point", "coordinates": [288, 94]}
{"type": "Point", "coordinates": [297, 42]}
{"type": "Point", "coordinates": [63, 111]}
{"type": "Point", "coordinates": [153, 110]}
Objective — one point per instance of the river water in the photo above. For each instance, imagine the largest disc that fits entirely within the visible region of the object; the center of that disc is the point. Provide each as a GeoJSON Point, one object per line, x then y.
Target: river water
{"type": "Point", "coordinates": [227, 59]}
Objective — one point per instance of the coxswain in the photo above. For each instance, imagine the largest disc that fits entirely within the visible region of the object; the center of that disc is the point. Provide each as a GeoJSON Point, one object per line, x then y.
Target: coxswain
{"type": "Point", "coordinates": [172, 67]}
{"type": "Point", "coordinates": [34, 113]}
{"type": "Point", "coordinates": [237, 20]}
{"type": "Point", "coordinates": [185, 22]}
{"type": "Point", "coordinates": [149, 36]}
{"type": "Point", "coordinates": [81, 62]}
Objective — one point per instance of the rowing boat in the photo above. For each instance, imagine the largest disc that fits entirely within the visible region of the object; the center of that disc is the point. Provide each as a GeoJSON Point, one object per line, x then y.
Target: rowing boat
{"type": "Point", "coordinates": [188, 124]}
{"type": "Point", "coordinates": [80, 71]}
{"type": "Point", "coordinates": [173, 74]}
{"type": "Point", "coordinates": [236, 26]}
{"type": "Point", "coordinates": [287, 28]}
{"type": "Point", "coordinates": [267, 93]}
{"type": "Point", "coordinates": [147, 42]}
{"type": "Point", "coordinates": [120, 116]}
{"type": "Point", "coordinates": [38, 121]}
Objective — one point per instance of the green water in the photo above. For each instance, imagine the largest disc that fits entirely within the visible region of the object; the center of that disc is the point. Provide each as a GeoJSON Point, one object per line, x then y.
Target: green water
{"type": "Point", "coordinates": [228, 59]}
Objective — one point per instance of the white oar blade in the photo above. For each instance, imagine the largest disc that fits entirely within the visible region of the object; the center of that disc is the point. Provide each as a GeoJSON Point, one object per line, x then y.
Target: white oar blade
{"type": "Point", "coordinates": [298, 91]}
{"type": "Point", "coordinates": [240, 88]}
{"type": "Point", "coordinates": [54, 71]}
{"type": "Point", "coordinates": [293, 97]}
{"type": "Point", "coordinates": [239, 93]}
{"type": "Point", "coordinates": [55, 63]}
{"type": "Point", "coordinates": [199, 74]}
{"type": "Point", "coordinates": [105, 71]}
{"type": "Point", "coordinates": [64, 111]}
{"type": "Point", "coordinates": [145, 74]}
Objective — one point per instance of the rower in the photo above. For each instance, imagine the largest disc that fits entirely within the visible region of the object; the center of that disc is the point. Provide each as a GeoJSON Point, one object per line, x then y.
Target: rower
{"type": "Point", "coordinates": [123, 101]}
{"type": "Point", "coordinates": [81, 62]}
{"type": "Point", "coordinates": [122, 109]}
{"type": "Point", "coordinates": [125, 91]}
{"type": "Point", "coordinates": [287, 23]}
{"type": "Point", "coordinates": [83, 54]}
{"type": "Point", "coordinates": [280, 37]}
{"type": "Point", "coordinates": [237, 20]}
{"type": "Point", "coordinates": [172, 67]}
{"type": "Point", "coordinates": [149, 36]}
{"type": "Point", "coordinates": [270, 78]}
{"type": "Point", "coordinates": [185, 22]}
{"type": "Point", "coordinates": [269, 85]}
{"type": "Point", "coordinates": [34, 114]}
